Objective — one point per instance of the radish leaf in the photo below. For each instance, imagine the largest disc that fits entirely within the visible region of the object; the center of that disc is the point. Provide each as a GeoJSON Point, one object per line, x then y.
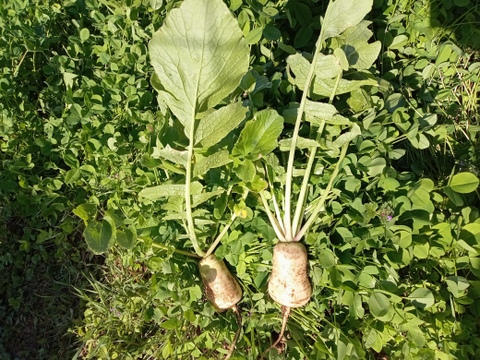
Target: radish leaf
{"type": "Point", "coordinates": [199, 56]}
{"type": "Point", "coordinates": [259, 136]}
{"type": "Point", "coordinates": [215, 126]}
{"type": "Point", "coordinates": [342, 14]}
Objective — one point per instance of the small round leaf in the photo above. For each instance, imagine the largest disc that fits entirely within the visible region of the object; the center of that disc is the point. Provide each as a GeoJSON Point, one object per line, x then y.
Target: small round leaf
{"type": "Point", "coordinates": [464, 183]}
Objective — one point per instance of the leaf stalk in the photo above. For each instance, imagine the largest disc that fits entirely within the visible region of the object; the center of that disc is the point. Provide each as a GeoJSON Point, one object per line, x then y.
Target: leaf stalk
{"type": "Point", "coordinates": [324, 196]}
{"type": "Point", "coordinates": [291, 155]}
{"type": "Point", "coordinates": [188, 196]}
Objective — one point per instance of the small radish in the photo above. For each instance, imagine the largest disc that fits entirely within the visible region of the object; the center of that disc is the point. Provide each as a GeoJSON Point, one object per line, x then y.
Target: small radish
{"type": "Point", "coordinates": [221, 288]}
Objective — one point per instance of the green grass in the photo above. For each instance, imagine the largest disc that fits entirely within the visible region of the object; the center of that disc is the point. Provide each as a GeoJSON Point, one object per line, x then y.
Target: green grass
{"type": "Point", "coordinates": [80, 131]}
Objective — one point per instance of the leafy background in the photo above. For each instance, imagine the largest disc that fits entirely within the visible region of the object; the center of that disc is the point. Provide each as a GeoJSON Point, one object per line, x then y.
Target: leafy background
{"type": "Point", "coordinates": [394, 258]}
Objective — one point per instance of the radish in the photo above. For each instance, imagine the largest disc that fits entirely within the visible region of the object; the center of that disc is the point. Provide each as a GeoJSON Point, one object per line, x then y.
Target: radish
{"type": "Point", "coordinates": [221, 288]}
{"type": "Point", "coordinates": [289, 284]}
{"type": "Point", "coordinates": [195, 76]}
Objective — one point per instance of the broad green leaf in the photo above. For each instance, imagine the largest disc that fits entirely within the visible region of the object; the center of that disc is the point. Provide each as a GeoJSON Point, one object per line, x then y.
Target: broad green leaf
{"type": "Point", "coordinates": [166, 190]}
{"type": "Point", "coordinates": [378, 304]}
{"type": "Point", "coordinates": [399, 42]}
{"type": "Point", "coordinates": [86, 211]}
{"type": "Point", "coordinates": [373, 340]}
{"type": "Point", "coordinates": [245, 171]}
{"type": "Point", "coordinates": [359, 101]}
{"type": "Point", "coordinates": [360, 54]}
{"type": "Point", "coordinates": [259, 136]}
{"type": "Point", "coordinates": [419, 141]}
{"type": "Point", "coordinates": [176, 156]}
{"type": "Point", "coordinates": [475, 266]}
{"type": "Point", "coordinates": [388, 184]}
{"type": "Point", "coordinates": [403, 239]}
{"type": "Point", "coordinates": [215, 160]}
{"type": "Point", "coordinates": [347, 137]}
{"type": "Point", "coordinates": [84, 35]}
{"type": "Point", "coordinates": [300, 68]}
{"type": "Point", "coordinates": [342, 14]}
{"type": "Point", "coordinates": [254, 36]}
{"type": "Point", "coordinates": [156, 4]}
{"type": "Point", "coordinates": [199, 56]}
{"type": "Point", "coordinates": [421, 251]}
{"type": "Point", "coordinates": [126, 238]}
{"type": "Point", "coordinates": [471, 234]}
{"type": "Point", "coordinates": [323, 84]}
{"type": "Point", "coordinates": [457, 285]}
{"type": "Point", "coordinates": [325, 87]}
{"type": "Point", "coordinates": [215, 126]}
{"type": "Point", "coordinates": [219, 206]}
{"type": "Point", "coordinates": [326, 258]}
{"type": "Point", "coordinates": [341, 58]}
{"type": "Point", "coordinates": [422, 298]}
{"type": "Point", "coordinates": [464, 183]}
{"type": "Point", "coordinates": [100, 235]}
{"type": "Point", "coordinates": [198, 199]}
{"type": "Point", "coordinates": [327, 67]}
{"type": "Point", "coordinates": [161, 191]}
{"type": "Point", "coordinates": [318, 112]}
{"type": "Point", "coordinates": [302, 143]}
{"type": "Point", "coordinates": [68, 79]}
{"type": "Point", "coordinates": [454, 197]}
{"type": "Point", "coordinates": [170, 324]}
{"type": "Point", "coordinates": [71, 176]}
{"type": "Point", "coordinates": [257, 184]}
{"type": "Point", "coordinates": [416, 335]}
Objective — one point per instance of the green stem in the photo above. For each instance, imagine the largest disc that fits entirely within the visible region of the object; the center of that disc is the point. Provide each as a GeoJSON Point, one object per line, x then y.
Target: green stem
{"type": "Point", "coordinates": [188, 198]}
{"type": "Point", "coordinates": [337, 81]}
{"type": "Point", "coordinates": [181, 252]}
{"type": "Point", "coordinates": [276, 226]}
{"type": "Point", "coordinates": [220, 236]}
{"type": "Point", "coordinates": [300, 209]}
{"type": "Point", "coordinates": [274, 199]}
{"type": "Point", "coordinates": [324, 196]}
{"type": "Point", "coordinates": [277, 211]}
{"type": "Point", "coordinates": [15, 72]}
{"type": "Point", "coordinates": [291, 155]}
{"type": "Point", "coordinates": [212, 247]}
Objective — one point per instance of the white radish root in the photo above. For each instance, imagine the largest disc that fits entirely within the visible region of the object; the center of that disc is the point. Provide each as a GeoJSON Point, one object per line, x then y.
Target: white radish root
{"type": "Point", "coordinates": [286, 314]}
{"type": "Point", "coordinates": [221, 287]}
{"type": "Point", "coordinates": [222, 290]}
{"type": "Point", "coordinates": [289, 284]}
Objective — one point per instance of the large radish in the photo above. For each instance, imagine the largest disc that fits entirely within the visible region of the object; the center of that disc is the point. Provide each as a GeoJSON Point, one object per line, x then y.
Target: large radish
{"type": "Point", "coordinates": [289, 284]}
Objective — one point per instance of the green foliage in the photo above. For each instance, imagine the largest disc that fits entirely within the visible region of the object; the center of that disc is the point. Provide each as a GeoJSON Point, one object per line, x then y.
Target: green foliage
{"type": "Point", "coordinates": [110, 111]}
